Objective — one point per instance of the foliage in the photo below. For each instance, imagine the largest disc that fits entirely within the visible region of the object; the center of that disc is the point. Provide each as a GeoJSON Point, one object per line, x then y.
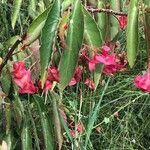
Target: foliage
{"type": "Point", "coordinates": [65, 81]}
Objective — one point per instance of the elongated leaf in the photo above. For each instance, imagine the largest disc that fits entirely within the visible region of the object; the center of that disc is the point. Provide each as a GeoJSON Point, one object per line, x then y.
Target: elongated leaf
{"type": "Point", "coordinates": [103, 20]}
{"type": "Point", "coordinates": [132, 32]}
{"type": "Point", "coordinates": [91, 32]}
{"type": "Point", "coordinates": [56, 118]}
{"type": "Point", "coordinates": [48, 136]}
{"type": "Point", "coordinates": [94, 39]}
{"type": "Point", "coordinates": [18, 110]}
{"type": "Point", "coordinates": [26, 135]}
{"type": "Point", "coordinates": [48, 37]}
{"type": "Point", "coordinates": [147, 27]}
{"type": "Point", "coordinates": [114, 25]}
{"type": "Point", "coordinates": [10, 141]}
{"type": "Point", "coordinates": [15, 12]}
{"type": "Point", "coordinates": [36, 27]}
{"type": "Point", "coordinates": [69, 58]}
{"type": "Point", "coordinates": [6, 80]}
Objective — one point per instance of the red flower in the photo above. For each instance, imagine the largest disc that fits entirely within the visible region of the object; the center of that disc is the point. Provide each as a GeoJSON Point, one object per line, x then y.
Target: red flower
{"type": "Point", "coordinates": [77, 76]}
{"type": "Point", "coordinates": [53, 75]}
{"type": "Point", "coordinates": [122, 22]}
{"type": "Point", "coordinates": [94, 60]}
{"type": "Point", "coordinates": [143, 82]}
{"type": "Point", "coordinates": [90, 84]}
{"type": "Point", "coordinates": [22, 78]}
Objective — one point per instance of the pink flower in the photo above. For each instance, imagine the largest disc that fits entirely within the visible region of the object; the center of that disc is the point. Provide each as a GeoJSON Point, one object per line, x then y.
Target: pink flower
{"type": "Point", "coordinates": [112, 62]}
{"type": "Point", "coordinates": [123, 22]}
{"type": "Point", "coordinates": [77, 76]}
{"type": "Point", "coordinates": [79, 127]}
{"type": "Point", "coordinates": [143, 82]}
{"type": "Point", "coordinates": [90, 84]}
{"type": "Point", "coordinates": [93, 62]}
{"type": "Point", "coordinates": [22, 78]}
{"type": "Point", "coordinates": [106, 59]}
{"type": "Point", "coordinates": [53, 74]}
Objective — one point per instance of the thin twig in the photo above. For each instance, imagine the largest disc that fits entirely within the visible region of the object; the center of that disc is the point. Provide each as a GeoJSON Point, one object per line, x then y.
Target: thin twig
{"type": "Point", "coordinates": [10, 52]}
{"type": "Point", "coordinates": [110, 11]}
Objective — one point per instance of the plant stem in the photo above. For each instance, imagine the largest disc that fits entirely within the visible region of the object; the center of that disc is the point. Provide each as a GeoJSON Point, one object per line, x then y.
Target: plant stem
{"type": "Point", "coordinates": [110, 11]}
{"type": "Point", "coordinates": [10, 52]}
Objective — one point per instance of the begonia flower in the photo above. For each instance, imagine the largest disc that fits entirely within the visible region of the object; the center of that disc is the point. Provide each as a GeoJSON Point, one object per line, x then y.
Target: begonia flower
{"type": "Point", "coordinates": [90, 84]}
{"type": "Point", "coordinates": [22, 78]}
{"type": "Point", "coordinates": [77, 76]}
{"type": "Point", "coordinates": [53, 75]}
{"type": "Point", "coordinates": [143, 82]}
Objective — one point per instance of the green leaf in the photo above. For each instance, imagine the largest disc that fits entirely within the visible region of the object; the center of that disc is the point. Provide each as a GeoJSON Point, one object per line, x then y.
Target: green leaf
{"type": "Point", "coordinates": [91, 32]}
{"type": "Point", "coordinates": [48, 37]}
{"type": "Point", "coordinates": [6, 80]}
{"type": "Point", "coordinates": [36, 27]}
{"type": "Point", "coordinates": [114, 25]}
{"type": "Point", "coordinates": [102, 20]}
{"type": "Point", "coordinates": [26, 135]}
{"type": "Point", "coordinates": [47, 131]}
{"type": "Point", "coordinates": [69, 58]}
{"type": "Point", "coordinates": [56, 118]}
{"type": "Point", "coordinates": [10, 141]}
{"type": "Point", "coordinates": [132, 32]}
{"type": "Point", "coordinates": [147, 27]}
{"type": "Point", "coordinates": [94, 39]}
{"type": "Point", "coordinates": [15, 12]}
{"type": "Point", "coordinates": [18, 110]}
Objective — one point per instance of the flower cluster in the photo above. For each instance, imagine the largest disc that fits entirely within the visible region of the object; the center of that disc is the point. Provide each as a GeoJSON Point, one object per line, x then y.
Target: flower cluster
{"type": "Point", "coordinates": [22, 77]}
{"type": "Point", "coordinates": [111, 61]}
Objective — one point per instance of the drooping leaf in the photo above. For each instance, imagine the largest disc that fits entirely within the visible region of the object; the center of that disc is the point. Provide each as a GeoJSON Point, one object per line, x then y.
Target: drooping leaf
{"type": "Point", "coordinates": [69, 58]}
{"type": "Point", "coordinates": [26, 134]}
{"type": "Point", "coordinates": [18, 110]}
{"type": "Point", "coordinates": [147, 28]}
{"type": "Point", "coordinates": [6, 80]}
{"type": "Point", "coordinates": [44, 118]}
{"type": "Point", "coordinates": [93, 37]}
{"type": "Point", "coordinates": [132, 32]}
{"type": "Point", "coordinates": [48, 36]}
{"type": "Point", "coordinates": [10, 141]}
{"type": "Point", "coordinates": [91, 32]}
{"type": "Point", "coordinates": [56, 118]}
{"type": "Point", "coordinates": [114, 25]}
{"type": "Point", "coordinates": [36, 27]}
{"type": "Point", "coordinates": [15, 12]}
{"type": "Point", "coordinates": [102, 20]}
